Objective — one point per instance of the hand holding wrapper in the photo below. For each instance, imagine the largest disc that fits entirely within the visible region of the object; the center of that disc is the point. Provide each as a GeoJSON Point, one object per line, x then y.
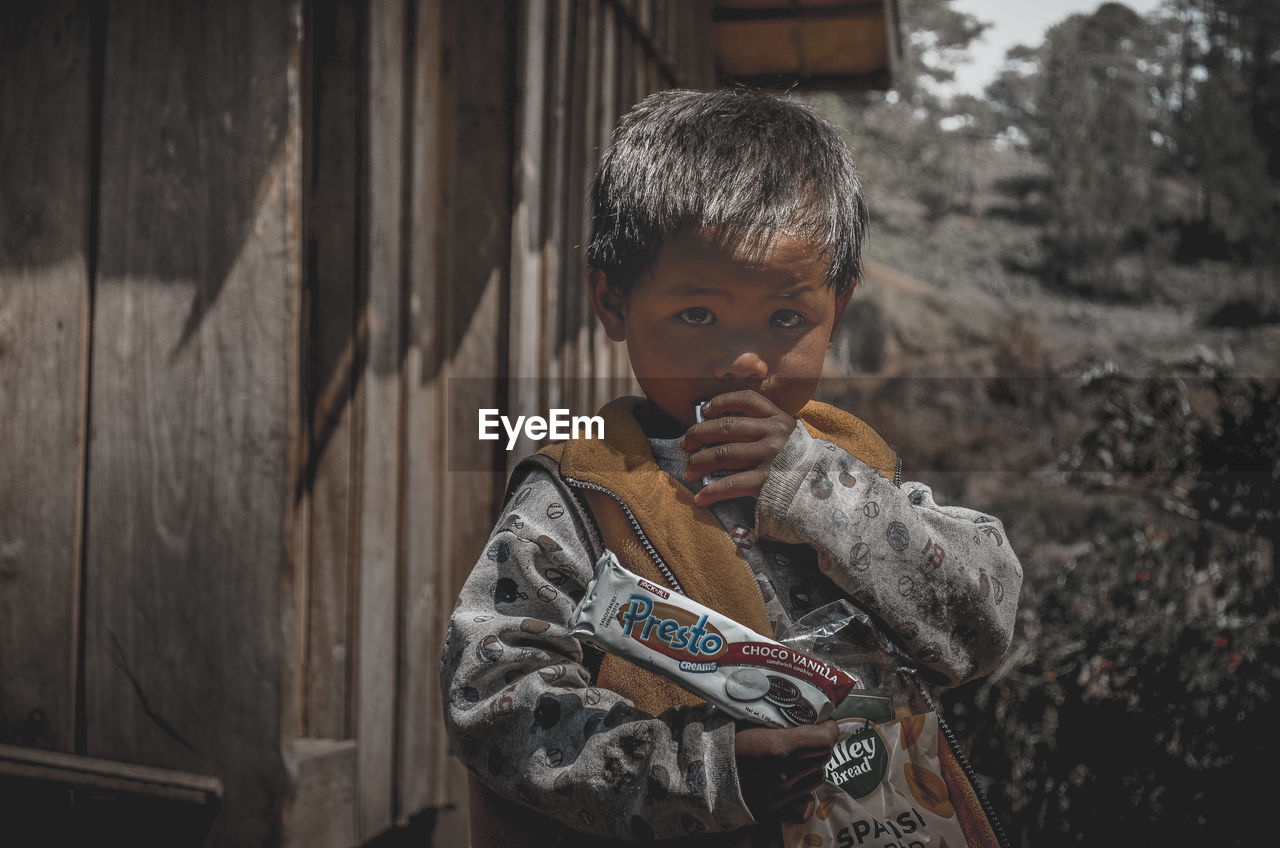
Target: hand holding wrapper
{"type": "Point", "coordinates": [742, 672]}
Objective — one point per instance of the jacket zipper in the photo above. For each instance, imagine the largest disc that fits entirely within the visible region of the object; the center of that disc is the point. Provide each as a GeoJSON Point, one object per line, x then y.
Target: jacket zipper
{"type": "Point", "coordinates": [667, 573]}
{"type": "Point", "coordinates": [897, 471]}
{"type": "Point", "coordinates": [996, 826]}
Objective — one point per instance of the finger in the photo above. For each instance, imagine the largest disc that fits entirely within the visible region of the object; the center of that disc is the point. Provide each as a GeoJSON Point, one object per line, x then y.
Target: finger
{"type": "Point", "coordinates": [730, 456]}
{"type": "Point", "coordinates": [744, 484]}
{"type": "Point", "coordinates": [809, 778]}
{"type": "Point", "coordinates": [743, 402]}
{"type": "Point", "coordinates": [817, 739]}
{"type": "Point", "coordinates": [759, 744]}
{"type": "Point", "coordinates": [730, 428]}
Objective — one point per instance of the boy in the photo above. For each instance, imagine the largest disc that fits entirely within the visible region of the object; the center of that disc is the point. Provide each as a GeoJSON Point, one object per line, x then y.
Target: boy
{"type": "Point", "coordinates": [727, 240]}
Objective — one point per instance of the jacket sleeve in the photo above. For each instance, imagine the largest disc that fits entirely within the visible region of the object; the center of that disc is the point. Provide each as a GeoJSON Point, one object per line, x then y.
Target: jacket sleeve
{"type": "Point", "coordinates": [944, 579]}
{"type": "Point", "coordinates": [522, 713]}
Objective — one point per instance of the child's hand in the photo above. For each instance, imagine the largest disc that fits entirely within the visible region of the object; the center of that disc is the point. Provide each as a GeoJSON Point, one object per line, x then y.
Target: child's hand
{"type": "Point", "coordinates": [743, 433]}
{"type": "Point", "coordinates": [778, 769]}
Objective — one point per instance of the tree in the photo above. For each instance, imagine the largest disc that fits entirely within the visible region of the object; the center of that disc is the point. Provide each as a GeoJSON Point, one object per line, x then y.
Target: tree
{"type": "Point", "coordinates": [1224, 100]}
{"type": "Point", "coordinates": [914, 137]}
{"type": "Point", "coordinates": [1082, 100]}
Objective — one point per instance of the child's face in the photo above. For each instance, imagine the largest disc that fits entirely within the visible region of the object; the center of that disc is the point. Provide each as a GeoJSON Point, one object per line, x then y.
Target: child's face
{"type": "Point", "coordinates": [711, 319]}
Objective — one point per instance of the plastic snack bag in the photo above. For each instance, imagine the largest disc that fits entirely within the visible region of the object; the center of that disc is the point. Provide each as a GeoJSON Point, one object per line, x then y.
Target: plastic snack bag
{"type": "Point", "coordinates": [893, 780]}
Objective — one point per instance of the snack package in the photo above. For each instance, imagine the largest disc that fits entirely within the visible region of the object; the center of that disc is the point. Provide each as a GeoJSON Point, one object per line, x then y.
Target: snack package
{"type": "Point", "coordinates": [743, 673]}
{"type": "Point", "coordinates": [883, 787]}
{"type": "Point", "coordinates": [884, 782]}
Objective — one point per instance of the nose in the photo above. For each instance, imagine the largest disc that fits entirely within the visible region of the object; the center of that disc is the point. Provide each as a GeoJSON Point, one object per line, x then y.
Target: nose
{"type": "Point", "coordinates": [746, 365]}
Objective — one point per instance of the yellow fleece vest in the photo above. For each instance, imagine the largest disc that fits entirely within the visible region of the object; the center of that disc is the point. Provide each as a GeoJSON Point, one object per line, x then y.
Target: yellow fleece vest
{"type": "Point", "coordinates": [692, 543]}
{"type": "Point", "coordinates": [687, 537]}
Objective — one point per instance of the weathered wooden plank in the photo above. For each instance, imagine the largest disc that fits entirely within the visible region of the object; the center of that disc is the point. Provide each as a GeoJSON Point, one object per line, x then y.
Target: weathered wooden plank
{"type": "Point", "coordinates": [554, 177]}
{"type": "Point", "coordinates": [525, 332]}
{"type": "Point", "coordinates": [479, 257]}
{"type": "Point", "coordinates": [644, 18]}
{"type": "Point", "coordinates": [613, 71]}
{"type": "Point", "coordinates": [427, 595]}
{"type": "Point", "coordinates": [44, 295]}
{"type": "Point", "coordinates": [188, 501]}
{"type": "Point", "coordinates": [472, 258]}
{"type": "Point", "coordinates": [335, 337]}
{"type": "Point", "coordinates": [685, 18]}
{"type": "Point", "coordinates": [323, 812]}
{"type": "Point", "coordinates": [587, 127]}
{"type": "Point", "coordinates": [99, 775]}
{"type": "Point", "coordinates": [381, 434]}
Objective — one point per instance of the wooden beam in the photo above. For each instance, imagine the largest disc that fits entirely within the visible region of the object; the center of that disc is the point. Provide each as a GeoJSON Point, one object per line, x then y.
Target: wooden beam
{"type": "Point", "coordinates": [189, 500]}
{"type": "Point", "coordinates": [381, 412]}
{"type": "Point", "coordinates": [336, 336]}
{"type": "Point", "coordinates": [102, 775]}
{"type": "Point", "coordinates": [45, 254]}
{"type": "Point", "coordinates": [874, 81]}
{"type": "Point", "coordinates": [791, 12]}
{"type": "Point", "coordinates": [323, 814]}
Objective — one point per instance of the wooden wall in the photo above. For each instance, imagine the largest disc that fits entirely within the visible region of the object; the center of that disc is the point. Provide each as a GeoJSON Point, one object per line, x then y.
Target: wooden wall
{"type": "Point", "coordinates": [581, 65]}
{"type": "Point", "coordinates": [149, 284]}
{"type": "Point", "coordinates": [257, 261]}
{"type": "Point", "coordinates": [480, 126]}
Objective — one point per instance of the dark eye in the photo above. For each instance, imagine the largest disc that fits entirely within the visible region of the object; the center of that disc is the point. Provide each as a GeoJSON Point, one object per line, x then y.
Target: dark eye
{"type": "Point", "coordinates": [787, 319]}
{"type": "Point", "coordinates": [697, 316]}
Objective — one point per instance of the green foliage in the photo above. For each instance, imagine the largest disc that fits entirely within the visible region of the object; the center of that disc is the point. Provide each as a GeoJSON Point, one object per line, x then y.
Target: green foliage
{"type": "Point", "coordinates": [1136, 713]}
{"type": "Point", "coordinates": [1136, 702]}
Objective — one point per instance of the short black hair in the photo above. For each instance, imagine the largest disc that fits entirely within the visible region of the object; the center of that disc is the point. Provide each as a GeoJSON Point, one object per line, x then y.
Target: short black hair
{"type": "Point", "coordinates": [744, 164]}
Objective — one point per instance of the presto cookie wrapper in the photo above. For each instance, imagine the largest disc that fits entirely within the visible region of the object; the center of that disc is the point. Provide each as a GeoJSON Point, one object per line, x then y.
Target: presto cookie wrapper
{"type": "Point", "coordinates": [747, 675]}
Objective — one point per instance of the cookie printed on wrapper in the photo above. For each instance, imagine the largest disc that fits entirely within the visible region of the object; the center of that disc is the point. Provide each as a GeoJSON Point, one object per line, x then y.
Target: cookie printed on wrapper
{"type": "Point", "coordinates": [929, 790]}
{"type": "Point", "coordinates": [782, 692]}
{"type": "Point", "coordinates": [801, 713]}
{"type": "Point", "coordinates": [747, 684]}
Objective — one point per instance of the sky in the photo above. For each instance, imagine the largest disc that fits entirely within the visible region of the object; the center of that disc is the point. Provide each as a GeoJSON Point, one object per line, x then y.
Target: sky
{"type": "Point", "coordinates": [1016, 22]}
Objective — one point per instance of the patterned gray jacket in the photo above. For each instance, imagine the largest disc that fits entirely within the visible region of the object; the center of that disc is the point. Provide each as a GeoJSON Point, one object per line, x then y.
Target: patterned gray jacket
{"type": "Point", "coordinates": [520, 707]}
